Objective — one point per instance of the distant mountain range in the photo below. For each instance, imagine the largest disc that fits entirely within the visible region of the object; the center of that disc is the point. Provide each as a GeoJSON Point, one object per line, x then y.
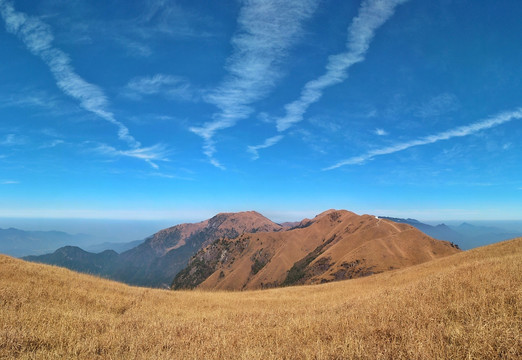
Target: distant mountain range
{"type": "Point", "coordinates": [465, 235]}
{"type": "Point", "coordinates": [303, 252]}
{"type": "Point", "coordinates": [119, 247]}
{"type": "Point", "coordinates": [335, 245]}
{"type": "Point", "coordinates": [74, 258]}
{"type": "Point", "coordinates": [16, 242]}
{"type": "Point", "coordinates": [161, 256]}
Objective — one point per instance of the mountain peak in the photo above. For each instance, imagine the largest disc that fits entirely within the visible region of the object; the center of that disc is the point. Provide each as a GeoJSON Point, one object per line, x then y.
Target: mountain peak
{"type": "Point", "coordinates": [239, 213]}
{"type": "Point", "coordinates": [244, 221]}
{"type": "Point", "coordinates": [328, 212]}
{"type": "Point", "coordinates": [335, 216]}
{"type": "Point", "coordinates": [335, 245]}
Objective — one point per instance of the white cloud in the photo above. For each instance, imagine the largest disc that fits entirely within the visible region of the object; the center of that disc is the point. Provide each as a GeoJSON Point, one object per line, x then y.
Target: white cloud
{"type": "Point", "coordinates": [135, 31]}
{"type": "Point", "coordinates": [9, 182]}
{"type": "Point", "coordinates": [167, 17]}
{"type": "Point", "coordinates": [371, 114]}
{"type": "Point", "coordinates": [268, 142]}
{"type": "Point", "coordinates": [430, 139]}
{"type": "Point", "coordinates": [172, 87]}
{"type": "Point", "coordinates": [52, 144]}
{"type": "Point", "coordinates": [149, 154]}
{"type": "Point", "coordinates": [50, 132]}
{"type": "Point", "coordinates": [326, 123]}
{"type": "Point", "coordinates": [266, 29]}
{"type": "Point", "coordinates": [134, 48]}
{"type": "Point", "coordinates": [372, 15]}
{"type": "Point", "coordinates": [381, 132]}
{"type": "Point", "coordinates": [13, 140]}
{"type": "Point", "coordinates": [26, 98]}
{"type": "Point", "coordinates": [438, 105]}
{"type": "Point", "coordinates": [38, 39]}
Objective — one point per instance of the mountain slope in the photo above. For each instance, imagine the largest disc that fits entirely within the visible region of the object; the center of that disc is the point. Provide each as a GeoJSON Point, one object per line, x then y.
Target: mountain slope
{"type": "Point", "coordinates": [161, 256]}
{"type": "Point", "coordinates": [335, 245]}
{"type": "Point", "coordinates": [463, 306]}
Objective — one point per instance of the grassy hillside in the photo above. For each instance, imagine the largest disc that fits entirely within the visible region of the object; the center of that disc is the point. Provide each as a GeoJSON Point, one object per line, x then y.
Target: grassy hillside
{"type": "Point", "coordinates": [468, 305]}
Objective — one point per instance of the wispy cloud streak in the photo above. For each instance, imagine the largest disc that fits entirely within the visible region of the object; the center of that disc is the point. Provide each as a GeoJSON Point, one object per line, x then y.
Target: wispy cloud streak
{"type": "Point", "coordinates": [381, 132]}
{"type": "Point", "coordinates": [38, 38]}
{"type": "Point", "coordinates": [460, 131]}
{"type": "Point", "coordinates": [13, 140]}
{"type": "Point", "coordinates": [372, 15]}
{"type": "Point", "coordinates": [266, 29]}
{"type": "Point", "coordinates": [149, 154]}
{"type": "Point", "coordinates": [52, 144]}
{"type": "Point", "coordinates": [172, 87]}
{"type": "Point", "coordinates": [268, 142]}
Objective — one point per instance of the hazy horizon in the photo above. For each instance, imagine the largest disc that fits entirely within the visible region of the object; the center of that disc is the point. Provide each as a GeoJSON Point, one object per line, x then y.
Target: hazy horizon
{"type": "Point", "coordinates": [125, 230]}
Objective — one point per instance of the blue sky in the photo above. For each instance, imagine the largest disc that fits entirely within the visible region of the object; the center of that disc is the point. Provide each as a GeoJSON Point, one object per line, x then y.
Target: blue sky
{"type": "Point", "coordinates": [160, 109]}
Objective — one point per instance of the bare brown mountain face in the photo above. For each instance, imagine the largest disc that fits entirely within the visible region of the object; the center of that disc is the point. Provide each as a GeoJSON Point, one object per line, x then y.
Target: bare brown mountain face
{"type": "Point", "coordinates": [222, 225]}
{"type": "Point", "coordinates": [335, 245]}
{"type": "Point", "coordinates": [164, 254]}
{"type": "Point", "coordinates": [161, 256]}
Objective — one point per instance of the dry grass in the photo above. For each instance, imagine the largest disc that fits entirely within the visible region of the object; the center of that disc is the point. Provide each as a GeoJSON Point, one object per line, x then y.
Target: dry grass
{"type": "Point", "coordinates": [465, 306]}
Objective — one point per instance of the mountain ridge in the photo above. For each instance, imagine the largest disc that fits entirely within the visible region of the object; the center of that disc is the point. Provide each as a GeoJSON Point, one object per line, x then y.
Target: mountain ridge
{"type": "Point", "coordinates": [160, 256]}
{"type": "Point", "coordinates": [334, 245]}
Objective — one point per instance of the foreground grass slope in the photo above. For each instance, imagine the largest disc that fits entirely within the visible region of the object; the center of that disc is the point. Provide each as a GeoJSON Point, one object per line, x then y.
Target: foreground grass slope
{"type": "Point", "coordinates": [468, 305]}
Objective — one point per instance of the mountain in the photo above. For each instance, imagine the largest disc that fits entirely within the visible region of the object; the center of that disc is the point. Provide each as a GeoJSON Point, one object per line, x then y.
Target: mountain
{"type": "Point", "coordinates": [119, 247]}
{"type": "Point", "coordinates": [164, 254]}
{"type": "Point", "coordinates": [473, 235]}
{"type": "Point", "coordinates": [439, 232]}
{"type": "Point", "coordinates": [335, 245]}
{"type": "Point", "coordinates": [289, 224]}
{"type": "Point", "coordinates": [463, 306]}
{"type": "Point", "coordinates": [161, 256]}
{"type": "Point", "coordinates": [465, 235]}
{"type": "Point", "coordinates": [16, 242]}
{"type": "Point", "coordinates": [74, 258]}
{"type": "Point", "coordinates": [470, 229]}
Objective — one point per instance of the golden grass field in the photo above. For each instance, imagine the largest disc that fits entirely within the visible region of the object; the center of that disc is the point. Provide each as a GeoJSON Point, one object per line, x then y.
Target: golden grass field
{"type": "Point", "coordinates": [465, 306]}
